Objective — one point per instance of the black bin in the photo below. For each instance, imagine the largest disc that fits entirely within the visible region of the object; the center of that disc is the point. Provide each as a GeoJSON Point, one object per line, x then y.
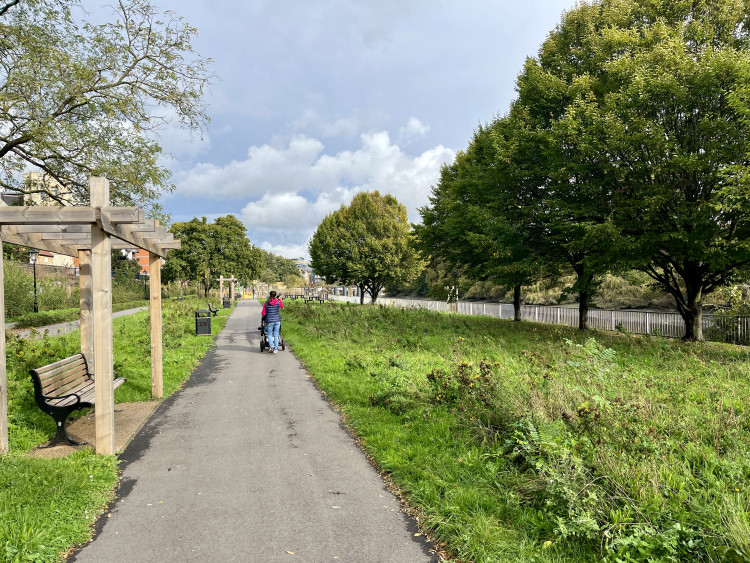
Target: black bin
{"type": "Point", "coordinates": [202, 322]}
{"type": "Point", "coordinates": [227, 302]}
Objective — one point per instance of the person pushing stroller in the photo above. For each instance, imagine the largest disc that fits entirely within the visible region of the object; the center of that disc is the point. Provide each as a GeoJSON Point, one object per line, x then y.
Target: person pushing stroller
{"type": "Point", "coordinates": [272, 314]}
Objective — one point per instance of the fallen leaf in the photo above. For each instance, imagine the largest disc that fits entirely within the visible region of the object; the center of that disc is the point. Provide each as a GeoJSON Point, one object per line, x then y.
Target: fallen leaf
{"type": "Point", "coordinates": [290, 552]}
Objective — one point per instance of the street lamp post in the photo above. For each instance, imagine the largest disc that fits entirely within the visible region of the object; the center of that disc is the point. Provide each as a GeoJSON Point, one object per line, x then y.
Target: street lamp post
{"type": "Point", "coordinates": [33, 254]}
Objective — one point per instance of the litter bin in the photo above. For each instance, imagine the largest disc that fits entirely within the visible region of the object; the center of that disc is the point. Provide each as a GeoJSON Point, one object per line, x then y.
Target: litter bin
{"type": "Point", "coordinates": [202, 322]}
{"type": "Point", "coordinates": [227, 302]}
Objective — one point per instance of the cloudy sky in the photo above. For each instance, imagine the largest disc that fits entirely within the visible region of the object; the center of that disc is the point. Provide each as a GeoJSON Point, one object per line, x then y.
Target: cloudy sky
{"type": "Point", "coordinates": [316, 100]}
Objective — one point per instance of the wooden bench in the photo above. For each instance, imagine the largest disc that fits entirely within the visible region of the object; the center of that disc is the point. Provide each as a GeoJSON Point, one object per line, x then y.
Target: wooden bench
{"type": "Point", "coordinates": [214, 311]}
{"type": "Point", "coordinates": [63, 387]}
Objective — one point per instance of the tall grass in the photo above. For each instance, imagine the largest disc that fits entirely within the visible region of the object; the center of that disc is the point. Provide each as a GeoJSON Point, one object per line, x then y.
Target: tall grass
{"type": "Point", "coordinates": [525, 442]}
{"type": "Point", "coordinates": [48, 506]}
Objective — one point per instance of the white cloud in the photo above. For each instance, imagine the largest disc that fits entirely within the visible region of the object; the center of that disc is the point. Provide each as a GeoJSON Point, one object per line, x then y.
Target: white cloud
{"type": "Point", "coordinates": [290, 212]}
{"type": "Point", "coordinates": [378, 164]}
{"type": "Point", "coordinates": [286, 250]}
{"type": "Point", "coordinates": [266, 169]}
{"type": "Point", "coordinates": [347, 127]}
{"type": "Point", "coordinates": [414, 129]}
{"type": "Point", "coordinates": [289, 189]}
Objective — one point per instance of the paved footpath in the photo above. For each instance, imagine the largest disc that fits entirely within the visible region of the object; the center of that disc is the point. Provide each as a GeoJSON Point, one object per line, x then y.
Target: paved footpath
{"type": "Point", "coordinates": [248, 462]}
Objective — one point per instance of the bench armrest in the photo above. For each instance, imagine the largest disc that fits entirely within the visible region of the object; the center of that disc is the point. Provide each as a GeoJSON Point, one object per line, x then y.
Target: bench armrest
{"type": "Point", "coordinates": [60, 397]}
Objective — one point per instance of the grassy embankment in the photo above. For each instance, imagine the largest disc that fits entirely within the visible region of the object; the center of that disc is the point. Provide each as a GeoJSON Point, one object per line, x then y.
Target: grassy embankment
{"type": "Point", "coordinates": [48, 506]}
{"type": "Point", "coordinates": [525, 442]}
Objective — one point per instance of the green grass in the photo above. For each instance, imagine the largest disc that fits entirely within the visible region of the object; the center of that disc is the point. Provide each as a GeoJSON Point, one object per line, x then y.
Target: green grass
{"type": "Point", "coordinates": [45, 318]}
{"type": "Point", "coordinates": [525, 442]}
{"type": "Point", "coordinates": [49, 506]}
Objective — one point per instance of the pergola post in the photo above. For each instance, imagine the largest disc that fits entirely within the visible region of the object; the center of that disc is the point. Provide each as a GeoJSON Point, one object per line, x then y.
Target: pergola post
{"type": "Point", "coordinates": [101, 286]}
{"type": "Point", "coordinates": [90, 233]}
{"type": "Point", "coordinates": [3, 373]}
{"type": "Point", "coordinates": [231, 289]}
{"type": "Point", "coordinates": [157, 373]}
{"type": "Point", "coordinates": [87, 305]}
{"type": "Point", "coordinates": [221, 289]}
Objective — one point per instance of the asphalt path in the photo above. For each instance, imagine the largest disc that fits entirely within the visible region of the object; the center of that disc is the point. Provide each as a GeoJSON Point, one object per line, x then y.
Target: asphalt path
{"type": "Point", "coordinates": [249, 462]}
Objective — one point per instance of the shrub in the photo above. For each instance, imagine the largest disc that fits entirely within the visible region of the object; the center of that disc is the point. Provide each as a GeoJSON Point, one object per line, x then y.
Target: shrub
{"type": "Point", "coordinates": [19, 290]}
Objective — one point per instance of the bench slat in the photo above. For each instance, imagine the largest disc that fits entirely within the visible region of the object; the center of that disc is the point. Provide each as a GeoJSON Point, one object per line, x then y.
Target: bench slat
{"type": "Point", "coordinates": [58, 384]}
{"type": "Point", "coordinates": [76, 359]}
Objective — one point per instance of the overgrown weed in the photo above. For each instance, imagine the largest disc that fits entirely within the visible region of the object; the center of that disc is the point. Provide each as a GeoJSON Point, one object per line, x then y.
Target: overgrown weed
{"type": "Point", "coordinates": [616, 447]}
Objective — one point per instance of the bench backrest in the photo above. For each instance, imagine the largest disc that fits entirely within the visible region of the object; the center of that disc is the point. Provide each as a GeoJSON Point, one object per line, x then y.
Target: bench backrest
{"type": "Point", "coordinates": [62, 377]}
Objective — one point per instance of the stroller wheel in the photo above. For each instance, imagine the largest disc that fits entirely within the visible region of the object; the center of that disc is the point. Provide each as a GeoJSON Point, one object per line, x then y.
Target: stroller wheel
{"type": "Point", "coordinates": [262, 345]}
{"type": "Point", "coordinates": [283, 345]}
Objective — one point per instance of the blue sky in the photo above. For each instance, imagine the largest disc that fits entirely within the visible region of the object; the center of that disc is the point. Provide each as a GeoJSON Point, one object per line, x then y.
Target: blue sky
{"type": "Point", "coordinates": [316, 100]}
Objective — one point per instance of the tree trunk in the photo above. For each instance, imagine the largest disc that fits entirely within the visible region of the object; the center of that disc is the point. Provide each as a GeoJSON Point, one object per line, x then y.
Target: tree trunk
{"type": "Point", "coordinates": [361, 294]}
{"type": "Point", "coordinates": [693, 318]}
{"type": "Point", "coordinates": [584, 298]}
{"type": "Point", "coordinates": [691, 309]}
{"type": "Point", "coordinates": [686, 283]}
{"type": "Point", "coordinates": [517, 303]}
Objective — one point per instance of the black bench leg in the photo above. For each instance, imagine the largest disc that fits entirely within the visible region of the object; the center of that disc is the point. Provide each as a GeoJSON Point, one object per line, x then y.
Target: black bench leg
{"type": "Point", "coordinates": [62, 436]}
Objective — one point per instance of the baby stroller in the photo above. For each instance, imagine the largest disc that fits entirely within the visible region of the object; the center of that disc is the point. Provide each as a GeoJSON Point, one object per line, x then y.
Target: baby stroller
{"type": "Point", "coordinates": [264, 336]}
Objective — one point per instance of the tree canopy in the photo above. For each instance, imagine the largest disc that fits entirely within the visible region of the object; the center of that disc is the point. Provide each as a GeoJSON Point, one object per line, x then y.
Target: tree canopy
{"type": "Point", "coordinates": [279, 269]}
{"type": "Point", "coordinates": [79, 99]}
{"type": "Point", "coordinates": [210, 250]}
{"type": "Point", "coordinates": [368, 243]}
{"type": "Point", "coordinates": [627, 146]}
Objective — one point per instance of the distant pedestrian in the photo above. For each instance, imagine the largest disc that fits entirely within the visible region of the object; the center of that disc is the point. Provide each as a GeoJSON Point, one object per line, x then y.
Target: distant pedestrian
{"type": "Point", "coordinates": [272, 313]}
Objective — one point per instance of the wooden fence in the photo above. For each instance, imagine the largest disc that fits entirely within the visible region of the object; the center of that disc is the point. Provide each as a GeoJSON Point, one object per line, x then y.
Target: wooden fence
{"type": "Point", "coordinates": [718, 328]}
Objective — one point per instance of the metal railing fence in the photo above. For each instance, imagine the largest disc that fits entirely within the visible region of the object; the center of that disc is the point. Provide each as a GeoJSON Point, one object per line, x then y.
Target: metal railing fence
{"type": "Point", "coordinates": [716, 327]}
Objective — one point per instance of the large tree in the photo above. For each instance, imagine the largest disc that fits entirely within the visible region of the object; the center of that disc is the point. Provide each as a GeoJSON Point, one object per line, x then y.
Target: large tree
{"type": "Point", "coordinates": [211, 250]}
{"type": "Point", "coordinates": [646, 99]}
{"type": "Point", "coordinates": [79, 99]}
{"type": "Point", "coordinates": [279, 269]}
{"type": "Point", "coordinates": [368, 243]}
{"type": "Point", "coordinates": [470, 223]}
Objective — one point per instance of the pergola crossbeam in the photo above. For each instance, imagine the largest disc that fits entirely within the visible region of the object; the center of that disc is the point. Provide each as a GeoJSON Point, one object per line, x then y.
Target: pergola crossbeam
{"type": "Point", "coordinates": [90, 232]}
{"type": "Point", "coordinates": [66, 215]}
{"type": "Point", "coordinates": [40, 244]}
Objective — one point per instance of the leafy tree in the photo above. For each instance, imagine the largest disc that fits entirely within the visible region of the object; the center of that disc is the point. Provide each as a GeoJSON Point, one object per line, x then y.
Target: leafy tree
{"type": "Point", "coordinates": [368, 244]}
{"type": "Point", "coordinates": [280, 269]}
{"type": "Point", "coordinates": [234, 253]}
{"type": "Point", "coordinates": [471, 222]}
{"type": "Point", "coordinates": [211, 250]}
{"type": "Point", "coordinates": [647, 103]}
{"type": "Point", "coordinates": [80, 100]}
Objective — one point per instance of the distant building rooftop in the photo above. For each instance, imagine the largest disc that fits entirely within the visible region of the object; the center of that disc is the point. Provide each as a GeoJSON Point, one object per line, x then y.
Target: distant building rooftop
{"type": "Point", "coordinates": [11, 199]}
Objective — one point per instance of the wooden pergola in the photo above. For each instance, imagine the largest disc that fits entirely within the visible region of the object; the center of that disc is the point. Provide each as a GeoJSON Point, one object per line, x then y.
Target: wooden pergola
{"type": "Point", "coordinates": [90, 233]}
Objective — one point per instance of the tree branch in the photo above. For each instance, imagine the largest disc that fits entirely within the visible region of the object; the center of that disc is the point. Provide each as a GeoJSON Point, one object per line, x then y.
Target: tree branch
{"type": "Point", "coordinates": [8, 6]}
